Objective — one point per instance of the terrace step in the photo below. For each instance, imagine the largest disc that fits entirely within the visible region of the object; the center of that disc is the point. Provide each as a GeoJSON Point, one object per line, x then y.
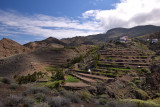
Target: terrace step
{"type": "Point", "coordinates": [84, 79]}
{"type": "Point", "coordinates": [107, 79]}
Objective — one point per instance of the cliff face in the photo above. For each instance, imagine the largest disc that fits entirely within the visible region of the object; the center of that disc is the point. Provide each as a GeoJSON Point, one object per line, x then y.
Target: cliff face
{"type": "Point", "coordinates": [9, 47]}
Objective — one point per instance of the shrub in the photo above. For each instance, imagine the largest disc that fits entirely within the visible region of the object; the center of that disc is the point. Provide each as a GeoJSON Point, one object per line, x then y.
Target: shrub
{"type": "Point", "coordinates": [35, 90]}
{"type": "Point", "coordinates": [29, 78]}
{"type": "Point", "coordinates": [6, 80]}
{"type": "Point", "coordinates": [147, 71]}
{"type": "Point", "coordinates": [140, 94]}
{"type": "Point", "coordinates": [77, 59]}
{"type": "Point", "coordinates": [72, 96]}
{"type": "Point", "coordinates": [135, 103]}
{"type": "Point", "coordinates": [40, 97]}
{"type": "Point", "coordinates": [59, 102]}
{"type": "Point", "coordinates": [55, 84]}
{"type": "Point", "coordinates": [59, 75]}
{"type": "Point", "coordinates": [28, 102]}
{"type": "Point", "coordinates": [102, 101]}
{"type": "Point", "coordinates": [13, 86]}
{"type": "Point", "coordinates": [85, 96]}
{"type": "Point", "coordinates": [41, 105]}
{"type": "Point", "coordinates": [13, 101]}
{"type": "Point", "coordinates": [133, 85]}
{"type": "Point", "coordinates": [101, 89]}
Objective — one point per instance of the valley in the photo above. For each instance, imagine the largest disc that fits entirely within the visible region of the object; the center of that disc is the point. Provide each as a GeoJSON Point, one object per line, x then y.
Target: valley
{"type": "Point", "coordinates": [82, 72]}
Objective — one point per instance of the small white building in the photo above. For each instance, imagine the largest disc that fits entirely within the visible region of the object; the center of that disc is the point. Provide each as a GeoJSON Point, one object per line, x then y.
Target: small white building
{"type": "Point", "coordinates": [154, 40]}
{"type": "Point", "coordinates": [89, 70]}
{"type": "Point", "coordinates": [124, 39]}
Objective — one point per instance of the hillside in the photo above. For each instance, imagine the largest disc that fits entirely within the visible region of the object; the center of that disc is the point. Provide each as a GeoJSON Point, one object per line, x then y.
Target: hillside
{"type": "Point", "coordinates": [86, 75]}
{"type": "Point", "coordinates": [77, 41]}
{"type": "Point", "coordinates": [117, 32]}
{"type": "Point", "coordinates": [38, 60]}
{"type": "Point", "coordinates": [49, 43]}
{"type": "Point", "coordinates": [9, 47]}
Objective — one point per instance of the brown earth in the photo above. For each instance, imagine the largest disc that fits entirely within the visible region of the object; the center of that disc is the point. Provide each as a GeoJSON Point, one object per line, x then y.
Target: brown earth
{"type": "Point", "coordinates": [9, 47]}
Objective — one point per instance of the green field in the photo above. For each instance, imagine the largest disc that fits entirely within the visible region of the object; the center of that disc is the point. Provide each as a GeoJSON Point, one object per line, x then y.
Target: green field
{"type": "Point", "coordinates": [70, 78]}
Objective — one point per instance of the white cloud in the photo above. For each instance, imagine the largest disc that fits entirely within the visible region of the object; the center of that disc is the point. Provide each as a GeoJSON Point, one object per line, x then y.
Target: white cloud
{"type": "Point", "coordinates": [14, 23]}
{"type": "Point", "coordinates": [127, 13]}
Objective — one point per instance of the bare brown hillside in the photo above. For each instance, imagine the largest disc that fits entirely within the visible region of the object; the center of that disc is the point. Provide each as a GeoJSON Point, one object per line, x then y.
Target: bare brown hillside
{"type": "Point", "coordinates": [47, 43]}
{"type": "Point", "coordinates": [38, 60]}
{"type": "Point", "coordinates": [77, 41]}
{"type": "Point", "coordinates": [9, 47]}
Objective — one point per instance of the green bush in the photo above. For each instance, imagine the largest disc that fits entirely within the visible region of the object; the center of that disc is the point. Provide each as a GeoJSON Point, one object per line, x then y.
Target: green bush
{"type": "Point", "coordinates": [71, 79]}
{"type": "Point", "coordinates": [140, 94]}
{"type": "Point", "coordinates": [59, 75]}
{"type": "Point", "coordinates": [6, 80]}
{"type": "Point", "coordinates": [54, 84]}
{"type": "Point", "coordinates": [77, 59]}
{"type": "Point", "coordinates": [29, 78]}
{"type": "Point", "coordinates": [40, 97]}
{"type": "Point", "coordinates": [86, 96]}
{"type": "Point", "coordinates": [133, 85]}
{"type": "Point", "coordinates": [147, 71]}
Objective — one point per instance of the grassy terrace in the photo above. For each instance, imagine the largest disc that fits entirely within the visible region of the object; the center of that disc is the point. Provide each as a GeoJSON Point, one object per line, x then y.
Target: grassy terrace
{"type": "Point", "coordinates": [70, 78]}
{"type": "Point", "coordinates": [122, 69]}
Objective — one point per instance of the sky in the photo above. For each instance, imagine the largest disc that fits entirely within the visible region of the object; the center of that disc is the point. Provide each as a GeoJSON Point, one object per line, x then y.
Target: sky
{"type": "Point", "coordinates": [32, 20]}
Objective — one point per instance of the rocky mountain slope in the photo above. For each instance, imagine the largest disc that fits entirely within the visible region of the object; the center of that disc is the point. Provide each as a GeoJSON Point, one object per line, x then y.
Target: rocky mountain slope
{"type": "Point", "coordinates": [47, 43]}
{"type": "Point", "coordinates": [9, 47]}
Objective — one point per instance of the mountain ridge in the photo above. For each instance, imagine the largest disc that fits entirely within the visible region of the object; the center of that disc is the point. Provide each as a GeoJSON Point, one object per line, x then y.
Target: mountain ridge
{"type": "Point", "coordinates": [118, 32]}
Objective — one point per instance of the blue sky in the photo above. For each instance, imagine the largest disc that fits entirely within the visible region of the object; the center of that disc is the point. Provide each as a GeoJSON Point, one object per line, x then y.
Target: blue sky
{"type": "Point", "coordinates": [31, 20]}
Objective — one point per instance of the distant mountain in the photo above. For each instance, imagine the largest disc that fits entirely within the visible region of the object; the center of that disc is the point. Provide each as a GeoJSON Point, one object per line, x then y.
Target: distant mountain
{"type": "Point", "coordinates": [47, 43]}
{"type": "Point", "coordinates": [76, 41]}
{"type": "Point", "coordinates": [118, 32]}
{"type": "Point", "coordinates": [9, 47]}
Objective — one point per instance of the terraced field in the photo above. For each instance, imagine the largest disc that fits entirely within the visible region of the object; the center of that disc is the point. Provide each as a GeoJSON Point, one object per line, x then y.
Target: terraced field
{"type": "Point", "coordinates": [114, 63]}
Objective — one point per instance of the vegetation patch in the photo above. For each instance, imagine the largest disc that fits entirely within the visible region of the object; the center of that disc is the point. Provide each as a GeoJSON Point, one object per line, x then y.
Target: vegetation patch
{"type": "Point", "coordinates": [139, 103]}
{"type": "Point", "coordinates": [29, 78]}
{"type": "Point", "coordinates": [140, 94]}
{"type": "Point", "coordinates": [121, 69]}
{"type": "Point", "coordinates": [70, 78]}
